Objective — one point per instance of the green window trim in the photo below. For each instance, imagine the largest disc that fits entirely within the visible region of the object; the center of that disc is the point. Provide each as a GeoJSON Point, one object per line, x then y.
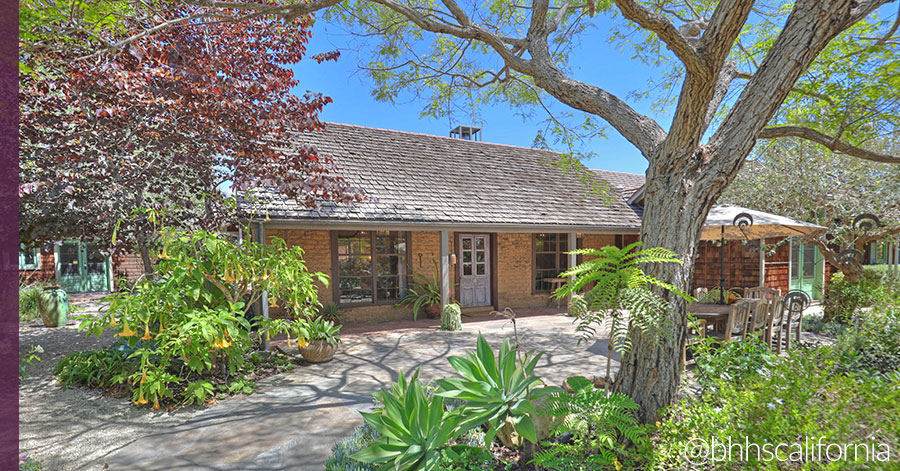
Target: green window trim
{"type": "Point", "coordinates": [29, 259]}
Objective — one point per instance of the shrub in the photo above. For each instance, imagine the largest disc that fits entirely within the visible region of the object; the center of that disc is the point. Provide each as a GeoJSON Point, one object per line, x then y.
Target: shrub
{"type": "Point", "coordinates": [190, 320]}
{"type": "Point", "coordinates": [340, 459]}
{"type": "Point", "coordinates": [28, 463]}
{"type": "Point", "coordinates": [815, 324]}
{"type": "Point", "coordinates": [29, 296]}
{"type": "Point", "coordinates": [451, 317]}
{"type": "Point", "coordinates": [595, 422]}
{"type": "Point", "coordinates": [28, 359]}
{"type": "Point", "coordinates": [106, 368]}
{"type": "Point", "coordinates": [802, 395]}
{"type": "Point", "coordinates": [731, 364]}
{"type": "Point", "coordinates": [873, 344]}
{"type": "Point", "coordinates": [844, 298]}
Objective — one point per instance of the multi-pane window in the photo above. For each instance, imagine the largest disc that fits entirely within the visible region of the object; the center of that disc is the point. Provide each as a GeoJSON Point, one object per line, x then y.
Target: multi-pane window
{"type": "Point", "coordinates": [550, 258]}
{"type": "Point", "coordinates": [29, 259]}
{"type": "Point", "coordinates": [371, 266]}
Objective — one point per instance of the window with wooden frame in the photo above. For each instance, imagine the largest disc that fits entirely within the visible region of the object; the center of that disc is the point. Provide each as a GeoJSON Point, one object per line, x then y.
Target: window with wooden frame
{"type": "Point", "coordinates": [29, 259]}
{"type": "Point", "coordinates": [370, 267]}
{"type": "Point", "coordinates": [550, 259]}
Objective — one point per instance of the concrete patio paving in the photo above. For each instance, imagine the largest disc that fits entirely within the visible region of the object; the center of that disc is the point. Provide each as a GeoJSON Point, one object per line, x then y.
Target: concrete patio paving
{"type": "Point", "coordinates": [293, 419]}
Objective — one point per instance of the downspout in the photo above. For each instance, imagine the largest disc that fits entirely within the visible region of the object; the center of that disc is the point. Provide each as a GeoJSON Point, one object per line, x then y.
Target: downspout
{"type": "Point", "coordinates": [264, 298]}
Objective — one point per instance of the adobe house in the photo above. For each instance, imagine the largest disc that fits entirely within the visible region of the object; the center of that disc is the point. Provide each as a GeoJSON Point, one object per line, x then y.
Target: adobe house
{"type": "Point", "coordinates": [500, 217]}
{"type": "Point", "coordinates": [491, 221]}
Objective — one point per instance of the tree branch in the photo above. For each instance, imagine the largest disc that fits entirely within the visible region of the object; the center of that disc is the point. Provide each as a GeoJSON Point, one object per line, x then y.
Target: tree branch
{"type": "Point", "coordinates": [666, 31]}
{"type": "Point", "coordinates": [831, 143]}
{"type": "Point", "coordinates": [724, 28]}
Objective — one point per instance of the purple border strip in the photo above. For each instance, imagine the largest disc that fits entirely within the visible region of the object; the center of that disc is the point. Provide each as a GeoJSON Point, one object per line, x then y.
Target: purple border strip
{"type": "Point", "coordinates": [9, 235]}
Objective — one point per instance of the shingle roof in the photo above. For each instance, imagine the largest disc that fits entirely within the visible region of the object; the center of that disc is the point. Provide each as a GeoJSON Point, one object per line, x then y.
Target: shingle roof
{"type": "Point", "coordinates": [418, 178]}
{"type": "Point", "coordinates": [626, 183]}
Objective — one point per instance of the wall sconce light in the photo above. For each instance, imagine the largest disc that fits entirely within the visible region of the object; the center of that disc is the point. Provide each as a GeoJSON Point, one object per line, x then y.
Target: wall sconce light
{"type": "Point", "coordinates": [453, 259]}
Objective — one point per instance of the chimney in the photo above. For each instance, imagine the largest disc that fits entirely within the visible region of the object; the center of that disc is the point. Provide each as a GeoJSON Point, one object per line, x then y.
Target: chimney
{"type": "Point", "coordinates": [468, 133]}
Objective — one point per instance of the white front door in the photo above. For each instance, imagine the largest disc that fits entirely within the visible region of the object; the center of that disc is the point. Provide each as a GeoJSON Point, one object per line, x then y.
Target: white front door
{"type": "Point", "coordinates": [474, 270]}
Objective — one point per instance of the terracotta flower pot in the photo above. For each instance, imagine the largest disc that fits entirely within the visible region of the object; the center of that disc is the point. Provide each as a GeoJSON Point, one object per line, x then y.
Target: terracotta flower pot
{"type": "Point", "coordinates": [318, 351]}
{"type": "Point", "coordinates": [433, 311]}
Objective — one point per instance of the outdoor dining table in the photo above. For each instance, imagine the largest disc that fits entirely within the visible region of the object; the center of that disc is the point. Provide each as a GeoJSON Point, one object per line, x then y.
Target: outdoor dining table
{"type": "Point", "coordinates": [715, 314]}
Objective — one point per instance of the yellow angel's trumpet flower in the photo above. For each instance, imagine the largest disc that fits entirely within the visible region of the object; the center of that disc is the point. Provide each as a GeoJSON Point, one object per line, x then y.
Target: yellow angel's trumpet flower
{"type": "Point", "coordinates": [146, 332]}
{"type": "Point", "coordinates": [156, 403]}
{"type": "Point", "coordinates": [127, 332]}
{"type": "Point", "coordinates": [141, 400]}
{"type": "Point", "coordinates": [112, 321]}
{"type": "Point", "coordinates": [144, 377]}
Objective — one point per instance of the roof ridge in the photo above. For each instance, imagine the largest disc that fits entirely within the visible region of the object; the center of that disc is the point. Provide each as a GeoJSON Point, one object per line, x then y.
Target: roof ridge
{"type": "Point", "coordinates": [454, 139]}
{"type": "Point", "coordinates": [616, 171]}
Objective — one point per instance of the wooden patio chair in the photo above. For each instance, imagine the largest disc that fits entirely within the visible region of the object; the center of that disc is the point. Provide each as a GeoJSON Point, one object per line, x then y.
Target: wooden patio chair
{"type": "Point", "coordinates": [795, 302]}
{"type": "Point", "coordinates": [738, 321]}
{"type": "Point", "coordinates": [759, 315]}
{"type": "Point", "coordinates": [775, 329]}
{"type": "Point", "coordinates": [762, 292]}
{"type": "Point", "coordinates": [700, 292]}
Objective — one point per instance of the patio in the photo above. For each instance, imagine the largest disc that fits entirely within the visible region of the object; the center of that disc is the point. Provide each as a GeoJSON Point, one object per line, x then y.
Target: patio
{"type": "Point", "coordinates": [292, 419]}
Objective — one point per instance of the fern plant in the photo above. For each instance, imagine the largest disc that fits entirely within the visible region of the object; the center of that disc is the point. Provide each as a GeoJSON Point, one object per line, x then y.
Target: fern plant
{"type": "Point", "coordinates": [618, 284]}
{"type": "Point", "coordinates": [596, 422]}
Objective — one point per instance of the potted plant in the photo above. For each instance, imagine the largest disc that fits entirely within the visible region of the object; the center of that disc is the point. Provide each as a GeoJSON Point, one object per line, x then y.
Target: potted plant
{"type": "Point", "coordinates": [424, 293]}
{"type": "Point", "coordinates": [317, 338]}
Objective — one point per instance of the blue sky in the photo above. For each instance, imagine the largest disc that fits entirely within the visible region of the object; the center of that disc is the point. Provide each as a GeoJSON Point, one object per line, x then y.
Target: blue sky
{"type": "Point", "coordinates": [600, 63]}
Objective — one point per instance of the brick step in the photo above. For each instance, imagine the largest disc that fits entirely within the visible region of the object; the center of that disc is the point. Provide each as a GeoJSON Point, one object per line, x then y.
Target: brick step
{"type": "Point", "coordinates": [479, 311]}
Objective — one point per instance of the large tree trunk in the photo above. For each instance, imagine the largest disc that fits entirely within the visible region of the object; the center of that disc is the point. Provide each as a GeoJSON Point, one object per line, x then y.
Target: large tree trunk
{"type": "Point", "coordinates": [675, 206]}
{"type": "Point", "coordinates": [146, 260]}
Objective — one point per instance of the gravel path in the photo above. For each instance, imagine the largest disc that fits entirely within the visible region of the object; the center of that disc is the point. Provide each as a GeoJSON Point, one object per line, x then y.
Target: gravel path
{"type": "Point", "coordinates": [73, 429]}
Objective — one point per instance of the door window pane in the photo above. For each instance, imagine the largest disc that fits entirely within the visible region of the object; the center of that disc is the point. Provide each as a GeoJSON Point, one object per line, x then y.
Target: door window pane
{"type": "Point", "coordinates": [68, 260]}
{"type": "Point", "coordinates": [96, 261]}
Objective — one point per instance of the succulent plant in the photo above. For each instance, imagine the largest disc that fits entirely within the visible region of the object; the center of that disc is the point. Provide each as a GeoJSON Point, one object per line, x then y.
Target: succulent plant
{"type": "Point", "coordinates": [451, 317]}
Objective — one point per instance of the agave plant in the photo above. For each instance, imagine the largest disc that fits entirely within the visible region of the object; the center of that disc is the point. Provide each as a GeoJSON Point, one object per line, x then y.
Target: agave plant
{"type": "Point", "coordinates": [618, 284]}
{"type": "Point", "coordinates": [496, 389]}
{"type": "Point", "coordinates": [414, 427]}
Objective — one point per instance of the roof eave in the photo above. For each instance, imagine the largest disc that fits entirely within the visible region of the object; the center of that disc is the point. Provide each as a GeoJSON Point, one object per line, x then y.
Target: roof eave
{"type": "Point", "coordinates": [286, 223]}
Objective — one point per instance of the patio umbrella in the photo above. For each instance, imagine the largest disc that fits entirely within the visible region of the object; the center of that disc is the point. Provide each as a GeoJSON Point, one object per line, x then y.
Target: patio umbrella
{"type": "Point", "coordinates": [729, 222]}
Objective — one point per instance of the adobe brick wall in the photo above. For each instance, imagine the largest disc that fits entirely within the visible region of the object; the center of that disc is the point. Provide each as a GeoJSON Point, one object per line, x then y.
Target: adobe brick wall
{"type": "Point", "coordinates": [127, 270]}
{"type": "Point", "coordinates": [514, 272]}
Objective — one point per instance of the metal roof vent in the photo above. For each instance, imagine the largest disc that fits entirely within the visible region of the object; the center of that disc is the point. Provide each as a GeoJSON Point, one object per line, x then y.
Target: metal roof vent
{"type": "Point", "coordinates": [468, 133]}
